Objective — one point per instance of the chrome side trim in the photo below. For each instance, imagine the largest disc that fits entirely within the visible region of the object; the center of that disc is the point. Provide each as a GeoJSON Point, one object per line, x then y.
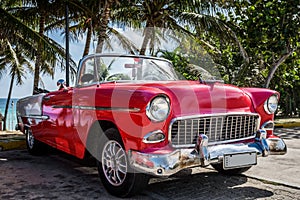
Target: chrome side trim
{"type": "Point", "coordinates": [99, 108]}
{"type": "Point", "coordinates": [41, 117]}
{"type": "Point", "coordinates": [110, 108]}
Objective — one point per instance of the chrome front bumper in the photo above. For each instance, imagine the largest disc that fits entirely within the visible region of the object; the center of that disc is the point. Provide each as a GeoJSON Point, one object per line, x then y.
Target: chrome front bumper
{"type": "Point", "coordinates": [160, 164]}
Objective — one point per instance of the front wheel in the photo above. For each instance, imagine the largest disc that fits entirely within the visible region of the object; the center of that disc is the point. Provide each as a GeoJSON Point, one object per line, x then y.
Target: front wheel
{"type": "Point", "coordinates": [115, 172]}
{"type": "Point", "coordinates": [219, 168]}
{"type": "Point", "coordinates": [34, 146]}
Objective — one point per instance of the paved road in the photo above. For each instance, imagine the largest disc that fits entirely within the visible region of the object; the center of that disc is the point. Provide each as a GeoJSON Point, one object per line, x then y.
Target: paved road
{"type": "Point", "coordinates": [57, 176]}
{"type": "Point", "coordinates": [281, 169]}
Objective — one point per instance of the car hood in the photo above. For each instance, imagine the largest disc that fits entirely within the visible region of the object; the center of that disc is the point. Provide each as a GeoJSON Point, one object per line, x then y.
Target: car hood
{"type": "Point", "coordinates": [194, 98]}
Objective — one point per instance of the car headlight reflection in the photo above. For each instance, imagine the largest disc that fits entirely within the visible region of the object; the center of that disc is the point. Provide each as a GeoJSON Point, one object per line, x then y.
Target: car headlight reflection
{"type": "Point", "coordinates": [271, 104]}
{"type": "Point", "coordinates": [158, 109]}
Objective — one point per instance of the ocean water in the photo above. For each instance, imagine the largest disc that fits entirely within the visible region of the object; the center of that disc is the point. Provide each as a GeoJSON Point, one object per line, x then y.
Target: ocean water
{"type": "Point", "coordinates": [11, 115]}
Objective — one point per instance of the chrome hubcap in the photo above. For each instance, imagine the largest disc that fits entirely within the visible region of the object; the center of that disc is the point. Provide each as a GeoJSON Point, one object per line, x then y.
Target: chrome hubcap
{"type": "Point", "coordinates": [114, 163]}
{"type": "Point", "coordinates": [30, 139]}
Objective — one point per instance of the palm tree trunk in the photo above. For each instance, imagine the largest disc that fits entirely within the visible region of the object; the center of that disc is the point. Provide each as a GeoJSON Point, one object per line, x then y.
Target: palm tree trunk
{"type": "Point", "coordinates": [38, 62]}
{"type": "Point", "coordinates": [8, 100]}
{"type": "Point", "coordinates": [145, 41]}
{"type": "Point", "coordinates": [103, 27]}
{"type": "Point", "coordinates": [87, 42]}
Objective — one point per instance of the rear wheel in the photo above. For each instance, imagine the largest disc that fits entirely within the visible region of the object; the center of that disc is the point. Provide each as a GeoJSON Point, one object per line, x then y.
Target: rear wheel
{"type": "Point", "coordinates": [115, 172]}
{"type": "Point", "coordinates": [34, 146]}
{"type": "Point", "coordinates": [219, 168]}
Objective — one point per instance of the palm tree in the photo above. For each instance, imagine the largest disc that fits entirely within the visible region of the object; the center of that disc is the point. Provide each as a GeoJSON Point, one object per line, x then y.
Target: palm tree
{"type": "Point", "coordinates": [92, 18]}
{"type": "Point", "coordinates": [45, 51]}
{"type": "Point", "coordinates": [86, 19]}
{"type": "Point", "coordinates": [15, 62]}
{"type": "Point", "coordinates": [179, 16]}
{"type": "Point", "coordinates": [38, 14]}
{"type": "Point", "coordinates": [105, 16]}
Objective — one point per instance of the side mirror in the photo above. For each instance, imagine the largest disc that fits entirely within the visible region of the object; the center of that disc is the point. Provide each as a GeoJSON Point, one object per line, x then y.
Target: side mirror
{"type": "Point", "coordinates": [60, 82]}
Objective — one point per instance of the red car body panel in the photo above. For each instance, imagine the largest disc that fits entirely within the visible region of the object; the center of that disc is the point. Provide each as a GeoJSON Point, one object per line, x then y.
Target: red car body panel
{"type": "Point", "coordinates": [113, 102]}
{"type": "Point", "coordinates": [71, 113]}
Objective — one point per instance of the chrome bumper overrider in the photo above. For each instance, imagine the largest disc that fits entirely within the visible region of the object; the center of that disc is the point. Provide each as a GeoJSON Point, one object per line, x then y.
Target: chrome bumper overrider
{"type": "Point", "coordinates": [202, 155]}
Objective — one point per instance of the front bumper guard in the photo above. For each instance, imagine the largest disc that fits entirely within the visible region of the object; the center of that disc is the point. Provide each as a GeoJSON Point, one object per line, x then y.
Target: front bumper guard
{"type": "Point", "coordinates": [202, 155]}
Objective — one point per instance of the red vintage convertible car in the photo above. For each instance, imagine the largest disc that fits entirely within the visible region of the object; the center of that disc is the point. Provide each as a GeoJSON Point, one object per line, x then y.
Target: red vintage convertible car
{"type": "Point", "coordinates": [138, 119]}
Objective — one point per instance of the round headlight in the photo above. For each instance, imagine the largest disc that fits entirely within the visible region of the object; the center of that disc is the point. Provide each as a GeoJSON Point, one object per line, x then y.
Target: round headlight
{"type": "Point", "coordinates": [271, 104]}
{"type": "Point", "coordinates": [158, 109]}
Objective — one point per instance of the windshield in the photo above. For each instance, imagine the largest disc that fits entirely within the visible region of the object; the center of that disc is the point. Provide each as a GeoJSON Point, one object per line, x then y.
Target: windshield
{"type": "Point", "coordinates": [105, 68]}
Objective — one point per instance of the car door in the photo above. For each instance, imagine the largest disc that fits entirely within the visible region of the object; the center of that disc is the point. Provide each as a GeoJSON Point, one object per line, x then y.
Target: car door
{"type": "Point", "coordinates": [60, 125]}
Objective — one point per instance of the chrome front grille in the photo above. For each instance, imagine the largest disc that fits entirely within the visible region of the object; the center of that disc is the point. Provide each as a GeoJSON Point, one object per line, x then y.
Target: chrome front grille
{"type": "Point", "coordinates": [218, 128]}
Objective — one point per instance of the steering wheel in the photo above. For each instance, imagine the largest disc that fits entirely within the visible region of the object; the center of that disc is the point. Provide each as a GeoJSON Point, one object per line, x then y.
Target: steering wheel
{"type": "Point", "coordinates": [118, 76]}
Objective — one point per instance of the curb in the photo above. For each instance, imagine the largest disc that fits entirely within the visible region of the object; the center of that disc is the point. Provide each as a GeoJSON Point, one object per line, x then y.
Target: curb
{"type": "Point", "coordinates": [9, 141]}
{"type": "Point", "coordinates": [273, 182]}
{"type": "Point", "coordinates": [287, 125]}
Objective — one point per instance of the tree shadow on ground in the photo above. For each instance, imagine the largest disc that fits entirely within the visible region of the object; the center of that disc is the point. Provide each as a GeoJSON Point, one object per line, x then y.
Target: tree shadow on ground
{"type": "Point", "coordinates": [288, 133]}
{"type": "Point", "coordinates": [208, 185]}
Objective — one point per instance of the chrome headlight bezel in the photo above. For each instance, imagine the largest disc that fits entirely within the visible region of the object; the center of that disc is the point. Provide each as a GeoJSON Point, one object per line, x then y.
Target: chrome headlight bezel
{"type": "Point", "coordinates": [158, 108]}
{"type": "Point", "coordinates": [271, 104]}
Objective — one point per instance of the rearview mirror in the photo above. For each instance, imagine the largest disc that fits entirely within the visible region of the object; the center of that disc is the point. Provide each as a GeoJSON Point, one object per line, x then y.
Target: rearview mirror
{"type": "Point", "coordinates": [132, 65]}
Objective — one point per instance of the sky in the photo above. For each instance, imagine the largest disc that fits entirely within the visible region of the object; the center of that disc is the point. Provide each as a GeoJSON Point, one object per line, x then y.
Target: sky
{"type": "Point", "coordinates": [76, 51]}
{"type": "Point", "coordinates": [19, 91]}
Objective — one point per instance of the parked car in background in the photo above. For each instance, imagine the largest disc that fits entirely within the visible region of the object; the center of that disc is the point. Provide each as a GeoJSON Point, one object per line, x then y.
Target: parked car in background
{"type": "Point", "coordinates": [139, 120]}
